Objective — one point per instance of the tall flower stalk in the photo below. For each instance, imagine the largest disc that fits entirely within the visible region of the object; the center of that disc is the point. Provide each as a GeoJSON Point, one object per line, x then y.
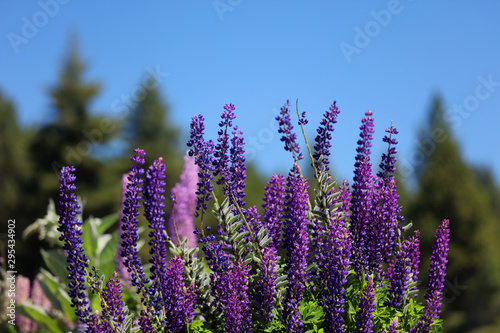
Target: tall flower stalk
{"type": "Point", "coordinates": [336, 261]}
{"type": "Point", "coordinates": [70, 228]}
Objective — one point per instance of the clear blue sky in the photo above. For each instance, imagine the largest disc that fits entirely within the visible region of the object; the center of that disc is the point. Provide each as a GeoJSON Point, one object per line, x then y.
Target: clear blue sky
{"type": "Point", "coordinates": [387, 56]}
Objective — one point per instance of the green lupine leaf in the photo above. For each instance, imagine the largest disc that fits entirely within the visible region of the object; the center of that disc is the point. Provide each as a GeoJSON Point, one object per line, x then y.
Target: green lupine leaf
{"type": "Point", "coordinates": [56, 262]}
{"type": "Point", "coordinates": [106, 222]}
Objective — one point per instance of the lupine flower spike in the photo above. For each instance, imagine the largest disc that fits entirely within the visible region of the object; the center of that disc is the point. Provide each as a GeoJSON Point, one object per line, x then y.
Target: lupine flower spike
{"type": "Point", "coordinates": [70, 228]}
{"type": "Point", "coordinates": [130, 253]}
{"type": "Point", "coordinates": [181, 221]}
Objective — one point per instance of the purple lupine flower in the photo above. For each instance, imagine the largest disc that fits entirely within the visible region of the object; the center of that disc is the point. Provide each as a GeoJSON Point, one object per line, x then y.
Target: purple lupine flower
{"type": "Point", "coordinates": [364, 316]}
{"type": "Point", "coordinates": [203, 152]}
{"type": "Point", "coordinates": [289, 137]}
{"type": "Point", "coordinates": [388, 164]}
{"type": "Point", "coordinates": [238, 168]}
{"type": "Point", "coordinates": [221, 154]}
{"type": "Point", "coordinates": [384, 224]}
{"type": "Point", "coordinates": [95, 325]}
{"type": "Point", "coordinates": [385, 210]}
{"type": "Point", "coordinates": [398, 275]}
{"type": "Point", "coordinates": [229, 161]}
{"type": "Point", "coordinates": [145, 323]}
{"type": "Point", "coordinates": [295, 241]}
{"type": "Point", "coordinates": [266, 283]}
{"type": "Point", "coordinates": [438, 260]}
{"type": "Point", "coordinates": [70, 228]}
{"type": "Point", "coordinates": [323, 144]}
{"type": "Point", "coordinates": [130, 235]}
{"type": "Point", "coordinates": [273, 208]}
{"type": "Point", "coordinates": [361, 201]}
{"type": "Point", "coordinates": [154, 211]}
{"type": "Point", "coordinates": [179, 306]}
{"type": "Point", "coordinates": [23, 289]}
{"type": "Point", "coordinates": [432, 308]}
{"type": "Point", "coordinates": [237, 310]}
{"type": "Point", "coordinates": [120, 268]}
{"type": "Point", "coordinates": [113, 310]}
{"type": "Point", "coordinates": [334, 269]}
{"type": "Point", "coordinates": [414, 254]}
{"type": "Point", "coordinates": [392, 328]}
{"type": "Point", "coordinates": [181, 221]}
{"type": "Point", "coordinates": [332, 254]}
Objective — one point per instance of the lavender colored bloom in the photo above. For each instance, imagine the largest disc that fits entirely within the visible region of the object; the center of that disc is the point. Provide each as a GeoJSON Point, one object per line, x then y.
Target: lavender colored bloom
{"type": "Point", "coordinates": [388, 164]}
{"type": "Point", "coordinates": [113, 311]}
{"type": "Point", "coordinates": [229, 161]}
{"type": "Point", "coordinates": [438, 260]}
{"type": "Point", "coordinates": [273, 208]}
{"type": "Point", "coordinates": [238, 168]}
{"type": "Point", "coordinates": [333, 271]}
{"type": "Point", "coordinates": [433, 296]}
{"type": "Point", "coordinates": [120, 268]}
{"type": "Point", "coordinates": [266, 283]}
{"type": "Point", "coordinates": [145, 323]}
{"type": "Point", "coordinates": [70, 228]}
{"type": "Point", "coordinates": [432, 309]}
{"type": "Point", "coordinates": [222, 147]}
{"type": "Point", "coordinates": [295, 241]}
{"type": "Point", "coordinates": [323, 144]}
{"type": "Point", "coordinates": [361, 201]}
{"type": "Point", "coordinates": [153, 211]}
{"type": "Point", "coordinates": [179, 305]}
{"type": "Point", "coordinates": [129, 227]}
{"type": "Point", "coordinates": [289, 137]}
{"type": "Point", "coordinates": [398, 275]}
{"type": "Point", "coordinates": [181, 221]}
{"type": "Point", "coordinates": [237, 310]}
{"type": "Point", "coordinates": [383, 224]}
{"type": "Point", "coordinates": [414, 256]}
{"type": "Point", "coordinates": [364, 316]}
{"type": "Point", "coordinates": [203, 152]}
{"type": "Point", "coordinates": [22, 296]}
{"type": "Point", "coordinates": [95, 326]}
{"type": "Point", "coordinates": [332, 254]}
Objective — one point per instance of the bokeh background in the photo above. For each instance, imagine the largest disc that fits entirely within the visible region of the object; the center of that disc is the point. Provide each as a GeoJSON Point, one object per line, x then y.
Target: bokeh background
{"type": "Point", "coordinates": [83, 83]}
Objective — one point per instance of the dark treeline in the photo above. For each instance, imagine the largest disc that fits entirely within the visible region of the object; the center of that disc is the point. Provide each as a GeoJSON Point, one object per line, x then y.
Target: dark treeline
{"type": "Point", "coordinates": [447, 187]}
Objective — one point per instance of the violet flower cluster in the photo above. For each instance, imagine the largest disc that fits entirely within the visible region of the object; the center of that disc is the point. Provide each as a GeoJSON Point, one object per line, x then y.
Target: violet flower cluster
{"type": "Point", "coordinates": [70, 228]}
{"type": "Point", "coordinates": [295, 241]}
{"type": "Point", "coordinates": [336, 261]}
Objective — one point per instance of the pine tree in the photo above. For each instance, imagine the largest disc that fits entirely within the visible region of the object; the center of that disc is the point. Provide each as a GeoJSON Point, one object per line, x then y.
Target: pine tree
{"type": "Point", "coordinates": [448, 189]}
{"type": "Point", "coordinates": [14, 167]}
{"type": "Point", "coordinates": [71, 136]}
